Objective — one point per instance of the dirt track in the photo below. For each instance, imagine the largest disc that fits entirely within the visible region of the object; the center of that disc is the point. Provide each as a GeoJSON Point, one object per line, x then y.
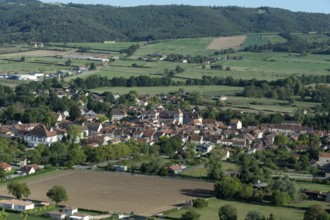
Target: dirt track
{"type": "Point", "coordinates": [226, 42]}
{"type": "Point", "coordinates": [144, 195]}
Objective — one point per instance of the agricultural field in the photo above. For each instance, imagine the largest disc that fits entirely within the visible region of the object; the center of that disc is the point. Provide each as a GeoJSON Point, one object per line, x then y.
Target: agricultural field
{"type": "Point", "coordinates": [221, 43]}
{"type": "Point", "coordinates": [108, 48]}
{"type": "Point", "coordinates": [191, 46]}
{"type": "Point", "coordinates": [261, 39]}
{"type": "Point", "coordinates": [107, 191]}
{"type": "Point", "coordinates": [211, 212]}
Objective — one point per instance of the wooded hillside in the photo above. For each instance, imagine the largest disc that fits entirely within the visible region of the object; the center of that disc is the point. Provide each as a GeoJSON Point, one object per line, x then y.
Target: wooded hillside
{"type": "Point", "coordinates": [31, 20]}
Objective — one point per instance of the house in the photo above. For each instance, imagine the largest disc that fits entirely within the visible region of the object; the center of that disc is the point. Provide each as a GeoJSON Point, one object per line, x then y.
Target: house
{"type": "Point", "coordinates": [15, 204]}
{"type": "Point", "coordinates": [26, 170]}
{"type": "Point", "coordinates": [94, 128]}
{"type": "Point", "coordinates": [235, 124]}
{"type": "Point", "coordinates": [80, 216]}
{"type": "Point", "coordinates": [6, 167]}
{"type": "Point", "coordinates": [118, 114]}
{"type": "Point", "coordinates": [69, 210]}
{"type": "Point", "coordinates": [56, 215]}
{"type": "Point", "coordinates": [324, 157]}
{"type": "Point", "coordinates": [40, 135]}
{"type": "Point", "coordinates": [225, 154]}
{"type": "Point", "coordinates": [176, 168]}
{"type": "Point", "coordinates": [328, 197]}
{"type": "Point", "coordinates": [204, 148]}
{"type": "Point", "coordinates": [178, 116]}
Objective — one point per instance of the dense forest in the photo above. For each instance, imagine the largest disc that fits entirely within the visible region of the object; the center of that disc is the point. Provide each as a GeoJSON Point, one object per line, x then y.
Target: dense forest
{"type": "Point", "coordinates": [20, 21]}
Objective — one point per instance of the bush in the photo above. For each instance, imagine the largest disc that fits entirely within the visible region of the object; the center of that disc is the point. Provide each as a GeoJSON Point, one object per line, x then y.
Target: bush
{"type": "Point", "coordinates": [200, 203]}
{"type": "Point", "coordinates": [190, 215]}
{"type": "Point", "coordinates": [280, 198]}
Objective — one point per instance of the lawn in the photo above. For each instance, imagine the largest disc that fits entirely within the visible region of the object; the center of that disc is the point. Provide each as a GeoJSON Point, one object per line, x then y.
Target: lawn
{"type": "Point", "coordinates": [313, 186]}
{"type": "Point", "coordinates": [199, 171]}
{"type": "Point", "coordinates": [211, 212]}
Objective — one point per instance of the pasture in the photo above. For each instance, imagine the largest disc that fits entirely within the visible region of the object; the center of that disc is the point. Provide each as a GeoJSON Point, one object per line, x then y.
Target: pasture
{"type": "Point", "coordinates": [211, 212]}
{"type": "Point", "coordinates": [186, 46]}
{"type": "Point", "coordinates": [204, 90]}
{"type": "Point", "coordinates": [107, 191]}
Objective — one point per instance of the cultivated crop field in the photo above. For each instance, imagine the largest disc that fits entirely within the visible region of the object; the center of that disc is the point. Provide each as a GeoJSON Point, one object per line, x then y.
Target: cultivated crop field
{"type": "Point", "coordinates": [226, 42]}
{"type": "Point", "coordinates": [143, 195]}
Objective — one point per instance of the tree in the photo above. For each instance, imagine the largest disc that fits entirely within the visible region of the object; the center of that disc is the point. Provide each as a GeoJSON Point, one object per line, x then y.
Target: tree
{"type": "Point", "coordinates": [315, 212]}
{"type": "Point", "coordinates": [280, 198]}
{"type": "Point", "coordinates": [254, 215]}
{"type": "Point", "coordinates": [22, 59]}
{"type": "Point", "coordinates": [271, 217]}
{"type": "Point", "coordinates": [74, 132]}
{"type": "Point", "coordinates": [57, 194]}
{"type": "Point", "coordinates": [68, 62]}
{"type": "Point", "coordinates": [3, 215]}
{"type": "Point", "coordinates": [75, 112]}
{"type": "Point", "coordinates": [227, 212]}
{"type": "Point", "coordinates": [228, 187]}
{"type": "Point", "coordinates": [2, 173]}
{"type": "Point", "coordinates": [213, 167]}
{"type": "Point", "coordinates": [92, 66]}
{"type": "Point", "coordinates": [19, 190]}
{"type": "Point", "coordinates": [190, 215]}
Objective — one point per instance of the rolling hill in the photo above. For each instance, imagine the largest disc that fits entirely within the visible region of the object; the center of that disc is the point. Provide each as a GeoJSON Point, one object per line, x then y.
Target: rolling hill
{"type": "Point", "coordinates": [30, 20]}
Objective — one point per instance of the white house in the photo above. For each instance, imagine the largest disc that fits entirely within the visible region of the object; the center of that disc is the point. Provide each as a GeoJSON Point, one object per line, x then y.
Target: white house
{"type": "Point", "coordinates": [235, 124]}
{"type": "Point", "coordinates": [324, 157]}
{"type": "Point", "coordinates": [15, 204]}
{"type": "Point", "coordinates": [69, 210]}
{"type": "Point", "coordinates": [118, 114]}
{"type": "Point", "coordinates": [80, 216]}
{"type": "Point", "coordinates": [56, 215]}
{"type": "Point", "coordinates": [40, 135]}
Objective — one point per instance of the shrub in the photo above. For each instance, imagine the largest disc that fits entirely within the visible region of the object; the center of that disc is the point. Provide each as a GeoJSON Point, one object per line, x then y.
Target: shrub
{"type": "Point", "coordinates": [200, 203]}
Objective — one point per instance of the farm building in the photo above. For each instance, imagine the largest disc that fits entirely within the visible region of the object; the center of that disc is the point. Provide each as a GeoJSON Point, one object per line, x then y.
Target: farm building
{"type": "Point", "coordinates": [15, 204]}
{"type": "Point", "coordinates": [27, 77]}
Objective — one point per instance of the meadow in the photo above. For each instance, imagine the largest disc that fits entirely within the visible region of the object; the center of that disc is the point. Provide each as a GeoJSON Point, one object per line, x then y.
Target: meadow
{"type": "Point", "coordinates": [204, 90]}
{"type": "Point", "coordinates": [211, 212]}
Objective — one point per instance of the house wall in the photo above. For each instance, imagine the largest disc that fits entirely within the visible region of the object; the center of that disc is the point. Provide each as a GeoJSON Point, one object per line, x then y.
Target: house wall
{"type": "Point", "coordinates": [324, 159]}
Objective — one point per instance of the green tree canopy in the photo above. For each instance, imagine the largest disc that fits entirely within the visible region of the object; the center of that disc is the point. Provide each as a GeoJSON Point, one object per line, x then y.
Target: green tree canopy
{"type": "Point", "coordinates": [227, 212]}
{"type": "Point", "coordinates": [57, 194]}
{"type": "Point", "coordinates": [19, 190]}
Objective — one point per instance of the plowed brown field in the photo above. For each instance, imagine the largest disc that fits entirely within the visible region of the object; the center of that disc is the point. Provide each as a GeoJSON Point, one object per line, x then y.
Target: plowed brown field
{"type": "Point", "coordinates": [226, 42]}
{"type": "Point", "coordinates": [144, 195]}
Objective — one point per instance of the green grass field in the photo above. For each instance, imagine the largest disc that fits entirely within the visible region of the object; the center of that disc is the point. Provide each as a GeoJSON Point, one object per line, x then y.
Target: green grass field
{"type": "Point", "coordinates": [313, 186]}
{"type": "Point", "coordinates": [105, 47]}
{"type": "Point", "coordinates": [205, 90]}
{"type": "Point", "coordinates": [199, 171]}
{"type": "Point", "coordinates": [262, 39]}
{"type": "Point", "coordinates": [191, 46]}
{"type": "Point", "coordinates": [211, 212]}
